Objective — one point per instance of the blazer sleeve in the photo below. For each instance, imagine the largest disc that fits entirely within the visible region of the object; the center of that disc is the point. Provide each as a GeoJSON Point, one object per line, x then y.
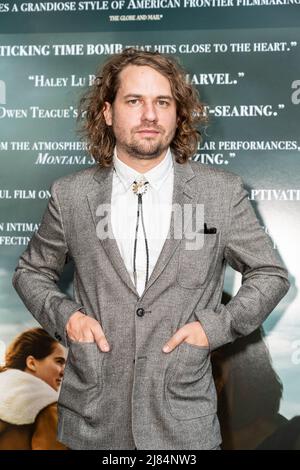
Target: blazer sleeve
{"type": "Point", "coordinates": [39, 269]}
{"type": "Point", "coordinates": [264, 279]}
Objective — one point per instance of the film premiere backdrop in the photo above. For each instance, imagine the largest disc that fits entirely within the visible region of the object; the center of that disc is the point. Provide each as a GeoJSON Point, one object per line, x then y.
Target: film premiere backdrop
{"type": "Point", "coordinates": [243, 55]}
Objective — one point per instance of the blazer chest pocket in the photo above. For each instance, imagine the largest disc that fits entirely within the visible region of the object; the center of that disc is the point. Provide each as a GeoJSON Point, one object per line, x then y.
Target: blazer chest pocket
{"type": "Point", "coordinates": [82, 381]}
{"type": "Point", "coordinates": [190, 389]}
{"type": "Point", "coordinates": [196, 266]}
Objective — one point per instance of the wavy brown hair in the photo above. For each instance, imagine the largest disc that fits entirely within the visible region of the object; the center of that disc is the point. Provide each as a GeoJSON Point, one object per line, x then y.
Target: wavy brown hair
{"type": "Point", "coordinates": [100, 138]}
{"type": "Point", "coordinates": [34, 342]}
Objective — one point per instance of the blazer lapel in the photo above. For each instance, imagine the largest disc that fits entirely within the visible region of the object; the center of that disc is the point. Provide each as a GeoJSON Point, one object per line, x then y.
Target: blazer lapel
{"type": "Point", "coordinates": [182, 194]}
{"type": "Point", "coordinates": [101, 195]}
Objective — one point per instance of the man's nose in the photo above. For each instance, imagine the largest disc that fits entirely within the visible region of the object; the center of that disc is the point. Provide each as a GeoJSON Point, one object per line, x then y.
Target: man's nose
{"type": "Point", "coordinates": [149, 112]}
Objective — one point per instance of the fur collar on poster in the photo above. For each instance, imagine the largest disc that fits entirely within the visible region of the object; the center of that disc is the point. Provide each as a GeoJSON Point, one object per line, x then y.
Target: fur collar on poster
{"type": "Point", "coordinates": [23, 396]}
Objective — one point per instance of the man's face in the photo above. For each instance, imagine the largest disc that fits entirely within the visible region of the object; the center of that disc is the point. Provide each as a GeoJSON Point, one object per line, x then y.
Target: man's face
{"type": "Point", "coordinates": [143, 114]}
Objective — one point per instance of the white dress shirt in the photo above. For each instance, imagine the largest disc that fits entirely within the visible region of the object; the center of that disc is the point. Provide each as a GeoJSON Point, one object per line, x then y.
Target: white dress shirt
{"type": "Point", "coordinates": [157, 205]}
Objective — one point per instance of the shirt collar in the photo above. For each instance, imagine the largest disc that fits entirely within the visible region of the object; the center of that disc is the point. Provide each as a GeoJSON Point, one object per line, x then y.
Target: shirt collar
{"type": "Point", "coordinates": [155, 176]}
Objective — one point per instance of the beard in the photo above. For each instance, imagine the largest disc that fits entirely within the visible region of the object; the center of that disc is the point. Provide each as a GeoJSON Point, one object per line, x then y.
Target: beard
{"type": "Point", "coordinates": [145, 148]}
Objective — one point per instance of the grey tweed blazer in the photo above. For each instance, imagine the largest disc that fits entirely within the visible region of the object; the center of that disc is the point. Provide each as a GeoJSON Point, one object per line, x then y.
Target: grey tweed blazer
{"type": "Point", "coordinates": [136, 395]}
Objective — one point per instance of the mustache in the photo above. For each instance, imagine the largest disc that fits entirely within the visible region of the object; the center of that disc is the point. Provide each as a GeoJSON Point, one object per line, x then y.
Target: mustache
{"type": "Point", "coordinates": [148, 127]}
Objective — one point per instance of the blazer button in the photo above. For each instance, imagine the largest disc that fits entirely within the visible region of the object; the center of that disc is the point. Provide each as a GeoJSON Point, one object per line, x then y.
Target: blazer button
{"type": "Point", "coordinates": [140, 312]}
{"type": "Point", "coordinates": [57, 336]}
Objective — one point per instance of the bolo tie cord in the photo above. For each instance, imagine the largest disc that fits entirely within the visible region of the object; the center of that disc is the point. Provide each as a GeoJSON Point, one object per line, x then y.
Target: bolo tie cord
{"type": "Point", "coordinates": [140, 211]}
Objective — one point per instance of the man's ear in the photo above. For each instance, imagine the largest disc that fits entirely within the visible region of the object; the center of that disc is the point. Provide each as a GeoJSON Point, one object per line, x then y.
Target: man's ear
{"type": "Point", "coordinates": [107, 113]}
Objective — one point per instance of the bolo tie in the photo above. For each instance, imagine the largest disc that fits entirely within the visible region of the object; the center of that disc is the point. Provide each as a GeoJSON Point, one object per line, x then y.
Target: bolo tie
{"type": "Point", "coordinates": [139, 187]}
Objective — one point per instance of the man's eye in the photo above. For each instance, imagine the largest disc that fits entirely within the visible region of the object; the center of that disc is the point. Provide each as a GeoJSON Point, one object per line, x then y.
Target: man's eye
{"type": "Point", "coordinates": [163, 103]}
{"type": "Point", "coordinates": [133, 101]}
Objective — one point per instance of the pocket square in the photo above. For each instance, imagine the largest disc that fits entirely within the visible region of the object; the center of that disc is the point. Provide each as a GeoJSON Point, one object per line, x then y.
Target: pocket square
{"type": "Point", "coordinates": [210, 229]}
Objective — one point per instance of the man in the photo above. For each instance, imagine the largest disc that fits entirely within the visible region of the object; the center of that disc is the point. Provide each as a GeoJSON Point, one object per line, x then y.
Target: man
{"type": "Point", "coordinates": [138, 286]}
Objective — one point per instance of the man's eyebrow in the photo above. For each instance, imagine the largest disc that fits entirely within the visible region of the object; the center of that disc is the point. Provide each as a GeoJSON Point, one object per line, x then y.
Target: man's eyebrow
{"type": "Point", "coordinates": [160, 97]}
{"type": "Point", "coordinates": [165, 97]}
